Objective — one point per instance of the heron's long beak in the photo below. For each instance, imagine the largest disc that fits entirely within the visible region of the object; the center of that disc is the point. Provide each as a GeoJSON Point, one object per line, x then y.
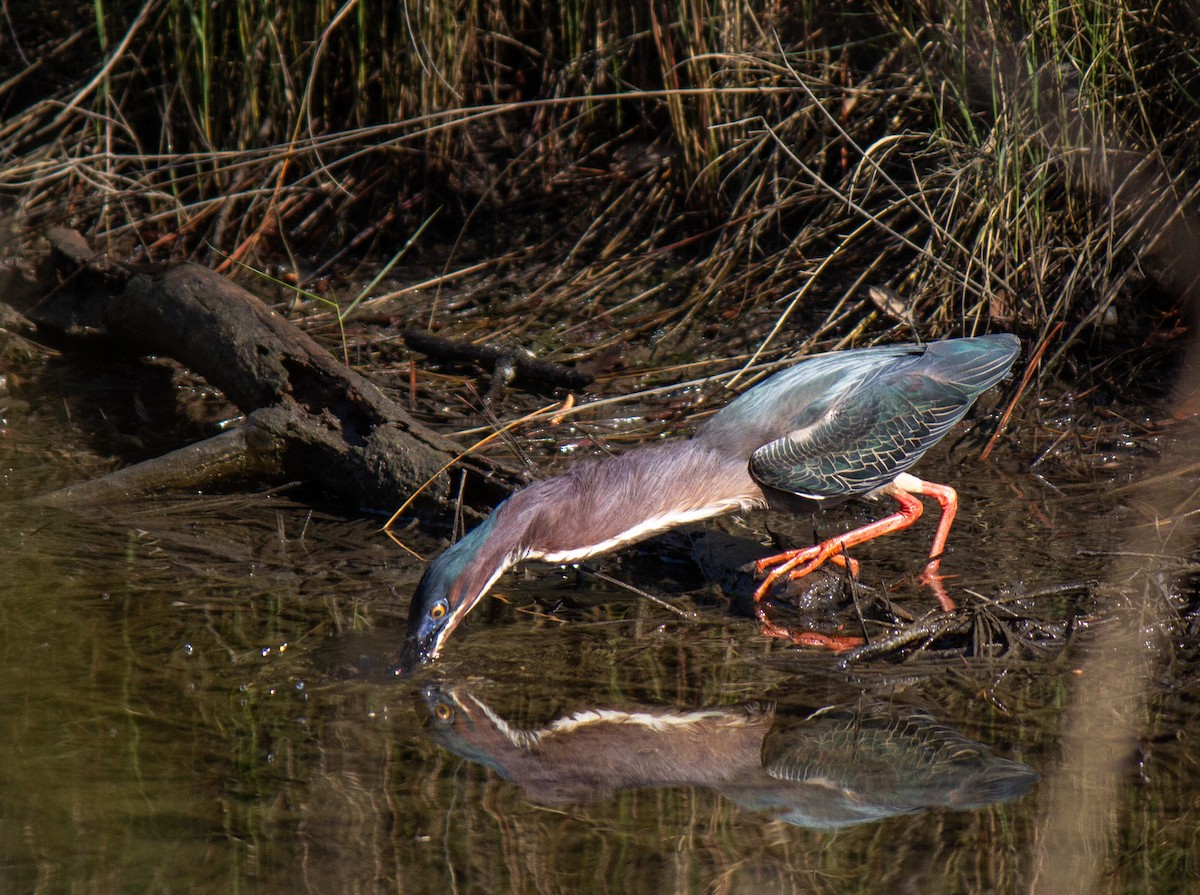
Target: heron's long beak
{"type": "Point", "coordinates": [414, 654]}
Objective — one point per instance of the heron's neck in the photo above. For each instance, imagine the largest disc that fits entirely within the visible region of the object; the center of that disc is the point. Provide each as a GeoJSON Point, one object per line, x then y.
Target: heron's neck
{"type": "Point", "coordinates": [601, 505]}
{"type": "Point", "coordinates": [469, 567]}
{"type": "Point", "coordinates": [598, 506]}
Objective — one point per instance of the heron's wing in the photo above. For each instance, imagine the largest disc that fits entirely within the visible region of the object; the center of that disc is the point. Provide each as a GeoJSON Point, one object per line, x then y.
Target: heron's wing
{"type": "Point", "coordinates": [862, 438]}
{"type": "Point", "coordinates": [849, 422]}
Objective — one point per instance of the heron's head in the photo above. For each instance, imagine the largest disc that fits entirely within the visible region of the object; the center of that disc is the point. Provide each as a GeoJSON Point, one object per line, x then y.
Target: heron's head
{"type": "Point", "coordinates": [450, 588]}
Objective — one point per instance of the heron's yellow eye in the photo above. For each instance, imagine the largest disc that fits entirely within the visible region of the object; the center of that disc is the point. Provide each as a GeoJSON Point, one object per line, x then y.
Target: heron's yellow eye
{"type": "Point", "coordinates": [443, 711]}
{"type": "Point", "coordinates": [438, 610]}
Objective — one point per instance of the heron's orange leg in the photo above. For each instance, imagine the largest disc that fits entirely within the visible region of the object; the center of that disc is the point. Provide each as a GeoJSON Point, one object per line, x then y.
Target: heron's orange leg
{"type": "Point", "coordinates": [947, 499]}
{"type": "Point", "coordinates": [798, 563]}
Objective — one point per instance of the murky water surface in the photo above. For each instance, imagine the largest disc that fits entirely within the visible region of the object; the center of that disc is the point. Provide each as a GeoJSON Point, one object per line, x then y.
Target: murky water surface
{"type": "Point", "coordinates": [197, 699]}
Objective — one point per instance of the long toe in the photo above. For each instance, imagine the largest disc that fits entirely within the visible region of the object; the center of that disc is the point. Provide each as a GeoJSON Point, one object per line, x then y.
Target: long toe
{"type": "Point", "coordinates": [789, 558]}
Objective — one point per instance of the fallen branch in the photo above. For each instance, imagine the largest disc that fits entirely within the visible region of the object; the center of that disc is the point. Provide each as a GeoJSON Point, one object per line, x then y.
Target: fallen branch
{"type": "Point", "coordinates": [522, 364]}
{"type": "Point", "coordinates": [309, 417]}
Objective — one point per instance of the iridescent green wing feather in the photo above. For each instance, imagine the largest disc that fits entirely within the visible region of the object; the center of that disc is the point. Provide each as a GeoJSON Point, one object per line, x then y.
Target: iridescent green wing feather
{"type": "Point", "coordinates": [863, 440]}
{"type": "Point", "coordinates": [846, 423]}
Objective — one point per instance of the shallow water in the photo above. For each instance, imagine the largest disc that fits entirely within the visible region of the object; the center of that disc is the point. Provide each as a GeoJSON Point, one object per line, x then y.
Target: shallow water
{"type": "Point", "coordinates": [197, 699]}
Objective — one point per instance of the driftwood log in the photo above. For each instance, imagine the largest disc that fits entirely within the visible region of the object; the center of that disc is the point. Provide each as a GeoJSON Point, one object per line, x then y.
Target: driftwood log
{"type": "Point", "coordinates": [308, 416]}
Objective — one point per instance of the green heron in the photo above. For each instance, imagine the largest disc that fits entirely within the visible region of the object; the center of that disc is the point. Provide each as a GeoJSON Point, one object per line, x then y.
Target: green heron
{"type": "Point", "coordinates": [831, 427]}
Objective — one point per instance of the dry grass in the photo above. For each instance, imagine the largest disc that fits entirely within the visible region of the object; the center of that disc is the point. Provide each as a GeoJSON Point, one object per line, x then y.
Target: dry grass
{"type": "Point", "coordinates": [638, 173]}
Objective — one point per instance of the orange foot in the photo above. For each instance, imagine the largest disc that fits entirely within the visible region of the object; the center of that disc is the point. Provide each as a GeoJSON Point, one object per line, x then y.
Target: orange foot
{"type": "Point", "coordinates": [798, 563]}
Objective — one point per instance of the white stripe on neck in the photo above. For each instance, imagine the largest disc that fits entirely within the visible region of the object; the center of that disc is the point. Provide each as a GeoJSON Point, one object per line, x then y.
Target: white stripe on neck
{"type": "Point", "coordinates": [642, 530]}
